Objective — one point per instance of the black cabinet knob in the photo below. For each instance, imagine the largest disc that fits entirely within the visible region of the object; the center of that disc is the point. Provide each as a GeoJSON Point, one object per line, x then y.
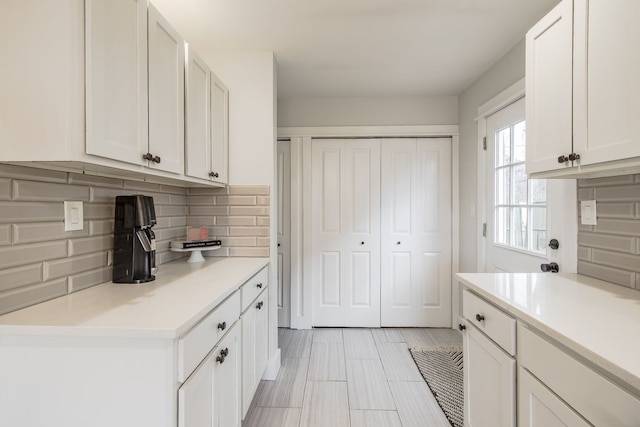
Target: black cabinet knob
{"type": "Point", "coordinates": [551, 267]}
{"type": "Point", "coordinates": [259, 305]}
{"type": "Point", "coordinates": [479, 317]}
{"type": "Point", "coordinates": [259, 285]}
{"type": "Point", "coordinates": [148, 156]}
{"type": "Point", "coordinates": [398, 243]}
{"type": "Point", "coordinates": [214, 174]}
{"type": "Point", "coordinates": [461, 327]}
{"type": "Point", "coordinates": [156, 159]}
{"type": "Point", "coordinates": [222, 326]}
{"type": "Point", "coordinates": [574, 156]}
{"type": "Point", "coordinates": [563, 159]}
{"type": "Point", "coordinates": [362, 243]}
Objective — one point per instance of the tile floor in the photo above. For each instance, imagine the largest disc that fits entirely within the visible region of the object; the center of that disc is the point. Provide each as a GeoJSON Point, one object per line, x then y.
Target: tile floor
{"type": "Point", "coordinates": [350, 378]}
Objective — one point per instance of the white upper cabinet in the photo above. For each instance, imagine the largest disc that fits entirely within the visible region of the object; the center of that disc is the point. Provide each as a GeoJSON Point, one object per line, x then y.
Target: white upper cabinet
{"type": "Point", "coordinates": [583, 93]}
{"type": "Point", "coordinates": [116, 79]}
{"type": "Point", "coordinates": [166, 95]}
{"type": "Point", "coordinates": [207, 122]}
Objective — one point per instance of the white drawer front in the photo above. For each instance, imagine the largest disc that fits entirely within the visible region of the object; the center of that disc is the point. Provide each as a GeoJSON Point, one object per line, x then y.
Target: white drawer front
{"type": "Point", "coordinates": [252, 287]}
{"type": "Point", "coordinates": [596, 398]}
{"type": "Point", "coordinates": [199, 341]}
{"type": "Point", "coordinates": [496, 324]}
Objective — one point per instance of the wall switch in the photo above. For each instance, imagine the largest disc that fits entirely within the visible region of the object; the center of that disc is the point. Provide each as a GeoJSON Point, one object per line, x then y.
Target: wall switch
{"type": "Point", "coordinates": [73, 216]}
{"type": "Point", "coordinates": [588, 212]}
{"type": "Point", "coordinates": [472, 211]}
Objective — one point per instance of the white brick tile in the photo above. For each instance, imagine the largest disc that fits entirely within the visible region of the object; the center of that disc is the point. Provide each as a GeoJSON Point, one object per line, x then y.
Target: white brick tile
{"type": "Point", "coordinates": [263, 200]}
{"type": "Point", "coordinates": [585, 193]}
{"type": "Point", "coordinates": [222, 252]}
{"type": "Point", "coordinates": [85, 280]}
{"type": "Point", "coordinates": [235, 200]}
{"type": "Point", "coordinates": [21, 276]}
{"type": "Point", "coordinates": [249, 252]}
{"type": "Point", "coordinates": [236, 220]}
{"type": "Point", "coordinates": [200, 191]}
{"type": "Point", "coordinates": [68, 266]}
{"type": "Point", "coordinates": [170, 210]}
{"type": "Point", "coordinates": [99, 211]}
{"type": "Point", "coordinates": [208, 210]}
{"type": "Point", "coordinates": [603, 241]}
{"type": "Point", "coordinates": [617, 260]}
{"type": "Point", "coordinates": [177, 233]}
{"type": "Point", "coordinates": [171, 189]}
{"type": "Point", "coordinates": [31, 211]}
{"type": "Point", "coordinates": [252, 190]}
{"type": "Point", "coordinates": [105, 195]}
{"type": "Point", "coordinates": [616, 210]}
{"type": "Point", "coordinates": [5, 234]}
{"type": "Point", "coordinates": [180, 221]}
{"type": "Point", "coordinates": [27, 191]}
{"type": "Point", "coordinates": [201, 220]}
{"type": "Point", "coordinates": [219, 232]}
{"type": "Point", "coordinates": [100, 227]}
{"type": "Point", "coordinates": [613, 275]}
{"type": "Point", "coordinates": [239, 241]}
{"type": "Point", "coordinates": [263, 221]}
{"type": "Point", "coordinates": [263, 241]}
{"type": "Point", "coordinates": [625, 192]}
{"type": "Point", "coordinates": [206, 200]}
{"type": "Point", "coordinates": [5, 189]}
{"type": "Point", "coordinates": [618, 226]}
{"type": "Point", "coordinates": [13, 256]}
{"type": "Point", "coordinates": [90, 244]}
{"type": "Point", "coordinates": [29, 295]}
{"type": "Point", "coordinates": [249, 210]}
{"type": "Point", "coordinates": [44, 232]}
{"type": "Point", "coordinates": [175, 199]}
{"type": "Point", "coordinates": [248, 231]}
{"type": "Point", "coordinates": [165, 257]}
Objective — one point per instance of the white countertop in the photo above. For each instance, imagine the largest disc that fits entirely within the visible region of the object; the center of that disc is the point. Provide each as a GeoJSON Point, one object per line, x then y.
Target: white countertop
{"type": "Point", "coordinates": [165, 308]}
{"type": "Point", "coordinates": [596, 319]}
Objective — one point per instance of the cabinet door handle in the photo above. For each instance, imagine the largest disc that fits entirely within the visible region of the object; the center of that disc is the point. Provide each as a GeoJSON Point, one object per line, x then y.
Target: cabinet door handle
{"type": "Point", "coordinates": [461, 327]}
{"type": "Point", "coordinates": [259, 285]}
{"type": "Point", "coordinates": [479, 317]}
{"type": "Point", "coordinates": [259, 305]}
{"type": "Point", "coordinates": [213, 174]}
{"type": "Point", "coordinates": [574, 156]}
{"type": "Point", "coordinates": [156, 159]}
{"type": "Point", "coordinates": [563, 159]}
{"type": "Point", "coordinates": [222, 326]}
{"type": "Point", "coordinates": [148, 156]}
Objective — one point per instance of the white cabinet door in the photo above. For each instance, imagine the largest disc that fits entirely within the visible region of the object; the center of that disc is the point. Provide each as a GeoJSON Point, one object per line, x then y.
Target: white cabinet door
{"type": "Point", "coordinates": [219, 130]}
{"type": "Point", "coordinates": [489, 382]}
{"type": "Point", "coordinates": [416, 232]}
{"type": "Point", "coordinates": [116, 79]}
{"type": "Point", "coordinates": [607, 66]}
{"type": "Point", "coordinates": [549, 83]}
{"type": "Point", "coordinates": [227, 377]}
{"type": "Point", "coordinates": [166, 95]}
{"type": "Point", "coordinates": [195, 397]}
{"type": "Point", "coordinates": [346, 232]}
{"type": "Point", "coordinates": [539, 407]}
{"type": "Point", "coordinates": [197, 117]}
{"type": "Point", "coordinates": [255, 347]}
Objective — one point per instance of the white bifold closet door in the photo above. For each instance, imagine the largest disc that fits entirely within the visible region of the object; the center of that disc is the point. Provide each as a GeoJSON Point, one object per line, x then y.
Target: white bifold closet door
{"type": "Point", "coordinates": [346, 232]}
{"type": "Point", "coordinates": [416, 232]}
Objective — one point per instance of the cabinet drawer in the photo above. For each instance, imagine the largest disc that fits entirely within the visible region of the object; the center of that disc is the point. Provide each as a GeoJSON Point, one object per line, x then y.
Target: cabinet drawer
{"type": "Point", "coordinates": [252, 287]}
{"type": "Point", "coordinates": [498, 326]}
{"type": "Point", "coordinates": [199, 341]}
{"type": "Point", "coordinates": [595, 397]}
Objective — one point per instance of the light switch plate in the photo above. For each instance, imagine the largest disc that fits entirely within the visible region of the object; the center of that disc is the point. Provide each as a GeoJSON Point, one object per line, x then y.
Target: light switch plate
{"type": "Point", "coordinates": [73, 216]}
{"type": "Point", "coordinates": [588, 212]}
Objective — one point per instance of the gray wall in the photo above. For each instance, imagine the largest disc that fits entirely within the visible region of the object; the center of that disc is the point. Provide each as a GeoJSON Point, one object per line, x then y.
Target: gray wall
{"type": "Point", "coordinates": [40, 261]}
{"type": "Point", "coordinates": [389, 111]}
{"type": "Point", "coordinates": [610, 250]}
{"type": "Point", "coordinates": [508, 70]}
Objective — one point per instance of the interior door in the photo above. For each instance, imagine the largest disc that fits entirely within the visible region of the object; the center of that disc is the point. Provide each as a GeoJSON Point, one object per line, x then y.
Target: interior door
{"type": "Point", "coordinates": [522, 215]}
{"type": "Point", "coordinates": [416, 232]}
{"type": "Point", "coordinates": [346, 232]}
{"type": "Point", "coordinates": [284, 233]}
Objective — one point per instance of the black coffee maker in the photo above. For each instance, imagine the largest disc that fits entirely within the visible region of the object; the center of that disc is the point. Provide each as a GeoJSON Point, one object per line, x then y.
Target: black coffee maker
{"type": "Point", "coordinates": [134, 244]}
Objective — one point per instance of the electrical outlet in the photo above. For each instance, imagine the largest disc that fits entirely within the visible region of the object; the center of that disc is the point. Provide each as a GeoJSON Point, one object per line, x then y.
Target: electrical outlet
{"type": "Point", "coordinates": [73, 216]}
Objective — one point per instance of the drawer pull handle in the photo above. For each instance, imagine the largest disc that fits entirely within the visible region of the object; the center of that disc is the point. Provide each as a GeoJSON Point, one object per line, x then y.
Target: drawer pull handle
{"type": "Point", "coordinates": [223, 355]}
{"type": "Point", "coordinates": [461, 327]}
{"type": "Point", "coordinates": [222, 326]}
{"type": "Point", "coordinates": [259, 285]}
{"type": "Point", "coordinates": [259, 305]}
{"type": "Point", "coordinates": [479, 317]}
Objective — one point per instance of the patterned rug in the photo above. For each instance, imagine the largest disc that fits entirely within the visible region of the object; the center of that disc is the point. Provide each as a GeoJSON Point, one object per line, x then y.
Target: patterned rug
{"type": "Point", "coordinates": [441, 368]}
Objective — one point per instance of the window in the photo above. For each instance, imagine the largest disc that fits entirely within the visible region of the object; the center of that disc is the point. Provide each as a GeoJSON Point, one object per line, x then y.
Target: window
{"type": "Point", "coordinates": [520, 204]}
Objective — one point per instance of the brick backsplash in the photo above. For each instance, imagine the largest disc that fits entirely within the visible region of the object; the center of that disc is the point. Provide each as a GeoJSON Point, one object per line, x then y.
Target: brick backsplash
{"type": "Point", "coordinates": [238, 215]}
{"type": "Point", "coordinates": [610, 250]}
{"type": "Point", "coordinates": [40, 261]}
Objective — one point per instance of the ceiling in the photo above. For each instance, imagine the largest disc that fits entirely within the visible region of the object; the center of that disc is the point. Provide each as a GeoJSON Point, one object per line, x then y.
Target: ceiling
{"type": "Point", "coordinates": [362, 48]}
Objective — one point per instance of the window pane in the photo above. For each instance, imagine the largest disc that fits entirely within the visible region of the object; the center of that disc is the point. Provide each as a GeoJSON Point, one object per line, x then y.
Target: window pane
{"type": "Point", "coordinates": [503, 226]}
{"type": "Point", "coordinates": [503, 147]}
{"type": "Point", "coordinates": [519, 186]}
{"type": "Point", "coordinates": [539, 229]}
{"type": "Point", "coordinates": [538, 192]}
{"type": "Point", "coordinates": [519, 225]}
{"type": "Point", "coordinates": [519, 142]}
{"type": "Point", "coordinates": [503, 186]}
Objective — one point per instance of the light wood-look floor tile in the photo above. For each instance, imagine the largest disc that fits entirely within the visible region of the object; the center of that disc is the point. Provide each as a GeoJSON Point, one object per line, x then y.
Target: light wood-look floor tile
{"type": "Point", "coordinates": [375, 419]}
{"type": "Point", "coordinates": [297, 343]}
{"type": "Point", "coordinates": [398, 363]}
{"type": "Point", "coordinates": [327, 362]}
{"type": "Point", "coordinates": [426, 337]}
{"type": "Point", "coordinates": [368, 385]}
{"type": "Point", "coordinates": [325, 404]}
{"type": "Point", "coordinates": [359, 344]}
{"type": "Point", "coordinates": [287, 390]}
{"type": "Point", "coordinates": [416, 405]}
{"type": "Point", "coordinates": [327, 335]}
{"type": "Point", "coordinates": [272, 417]}
{"type": "Point", "coordinates": [388, 335]}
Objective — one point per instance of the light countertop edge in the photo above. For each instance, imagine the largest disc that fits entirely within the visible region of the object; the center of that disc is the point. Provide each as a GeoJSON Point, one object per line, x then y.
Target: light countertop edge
{"type": "Point", "coordinates": [607, 360]}
{"type": "Point", "coordinates": [182, 294]}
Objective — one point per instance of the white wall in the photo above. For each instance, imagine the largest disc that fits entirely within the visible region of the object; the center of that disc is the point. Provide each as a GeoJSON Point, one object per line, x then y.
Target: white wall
{"type": "Point", "coordinates": [505, 72]}
{"type": "Point", "coordinates": [390, 111]}
{"type": "Point", "coordinates": [251, 77]}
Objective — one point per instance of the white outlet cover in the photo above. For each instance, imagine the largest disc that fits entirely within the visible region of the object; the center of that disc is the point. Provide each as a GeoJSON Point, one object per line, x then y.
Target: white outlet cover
{"type": "Point", "coordinates": [588, 214]}
{"type": "Point", "coordinates": [73, 216]}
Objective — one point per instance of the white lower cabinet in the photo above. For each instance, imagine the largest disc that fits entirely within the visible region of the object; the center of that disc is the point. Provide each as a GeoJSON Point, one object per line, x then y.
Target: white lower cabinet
{"type": "Point", "coordinates": [489, 382]}
{"type": "Point", "coordinates": [211, 395]}
{"type": "Point", "coordinates": [255, 349]}
{"type": "Point", "coordinates": [539, 407]}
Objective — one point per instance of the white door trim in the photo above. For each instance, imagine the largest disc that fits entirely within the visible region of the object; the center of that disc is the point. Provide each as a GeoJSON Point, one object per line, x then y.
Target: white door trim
{"type": "Point", "coordinates": [498, 102]}
{"type": "Point", "coordinates": [301, 137]}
